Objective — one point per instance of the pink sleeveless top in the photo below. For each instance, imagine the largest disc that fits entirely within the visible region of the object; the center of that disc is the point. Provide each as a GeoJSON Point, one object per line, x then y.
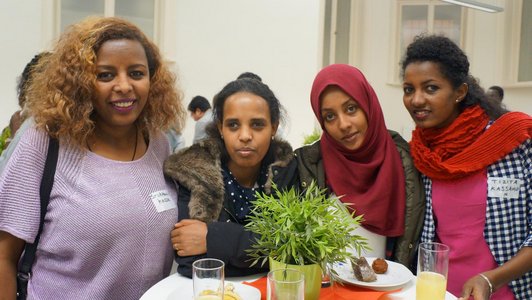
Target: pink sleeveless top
{"type": "Point", "coordinates": [459, 208]}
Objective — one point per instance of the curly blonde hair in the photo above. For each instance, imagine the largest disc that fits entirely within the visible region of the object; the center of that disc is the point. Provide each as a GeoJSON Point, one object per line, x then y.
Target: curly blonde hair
{"type": "Point", "coordinates": [60, 96]}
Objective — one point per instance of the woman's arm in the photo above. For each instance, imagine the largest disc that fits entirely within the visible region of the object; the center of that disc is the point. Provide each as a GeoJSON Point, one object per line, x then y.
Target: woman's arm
{"type": "Point", "coordinates": [10, 249]}
{"type": "Point", "coordinates": [182, 258]}
{"type": "Point", "coordinates": [195, 239]}
{"type": "Point", "coordinates": [479, 288]}
{"type": "Point", "coordinates": [229, 242]}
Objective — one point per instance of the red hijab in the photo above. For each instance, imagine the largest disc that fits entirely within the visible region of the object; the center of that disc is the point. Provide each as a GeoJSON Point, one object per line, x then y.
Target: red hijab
{"type": "Point", "coordinates": [370, 178]}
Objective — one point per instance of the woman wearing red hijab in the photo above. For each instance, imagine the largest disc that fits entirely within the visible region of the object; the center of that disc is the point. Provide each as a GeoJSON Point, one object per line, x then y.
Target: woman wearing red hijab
{"type": "Point", "coordinates": [359, 159]}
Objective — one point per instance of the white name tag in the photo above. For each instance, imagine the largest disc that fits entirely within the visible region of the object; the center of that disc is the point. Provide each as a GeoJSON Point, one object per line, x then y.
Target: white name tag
{"type": "Point", "coordinates": [504, 187]}
{"type": "Point", "coordinates": [162, 200]}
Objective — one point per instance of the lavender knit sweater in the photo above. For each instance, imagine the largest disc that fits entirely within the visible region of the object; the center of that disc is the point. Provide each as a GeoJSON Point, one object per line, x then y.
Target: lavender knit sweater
{"type": "Point", "coordinates": [107, 228]}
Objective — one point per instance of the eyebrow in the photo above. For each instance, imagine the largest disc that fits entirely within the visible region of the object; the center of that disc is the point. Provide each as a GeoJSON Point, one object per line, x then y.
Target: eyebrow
{"type": "Point", "coordinates": [422, 83]}
{"type": "Point", "coordinates": [323, 109]}
{"type": "Point", "coordinates": [238, 120]}
{"type": "Point", "coordinates": [129, 67]}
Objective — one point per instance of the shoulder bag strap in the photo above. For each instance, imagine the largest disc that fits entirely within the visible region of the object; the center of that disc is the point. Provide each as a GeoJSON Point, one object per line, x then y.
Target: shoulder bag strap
{"type": "Point", "coordinates": [47, 182]}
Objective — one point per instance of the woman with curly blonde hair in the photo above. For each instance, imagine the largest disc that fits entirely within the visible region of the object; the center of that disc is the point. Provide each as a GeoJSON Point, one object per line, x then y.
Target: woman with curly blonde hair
{"type": "Point", "coordinates": [106, 95]}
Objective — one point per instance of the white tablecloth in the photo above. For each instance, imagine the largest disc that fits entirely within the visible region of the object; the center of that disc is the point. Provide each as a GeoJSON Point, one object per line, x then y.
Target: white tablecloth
{"type": "Point", "coordinates": [167, 288]}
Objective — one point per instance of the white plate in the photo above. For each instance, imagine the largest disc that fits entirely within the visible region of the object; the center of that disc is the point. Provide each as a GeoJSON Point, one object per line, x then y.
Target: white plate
{"type": "Point", "coordinates": [245, 292]}
{"type": "Point", "coordinates": [396, 276]}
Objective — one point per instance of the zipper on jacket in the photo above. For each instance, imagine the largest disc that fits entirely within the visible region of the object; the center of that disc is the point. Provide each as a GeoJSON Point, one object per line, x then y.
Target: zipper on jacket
{"type": "Point", "coordinates": [231, 215]}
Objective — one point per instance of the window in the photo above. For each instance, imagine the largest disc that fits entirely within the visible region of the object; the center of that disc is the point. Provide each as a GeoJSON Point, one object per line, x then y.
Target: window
{"type": "Point", "coordinates": [517, 53]}
{"type": "Point", "coordinates": [336, 32]}
{"type": "Point", "coordinates": [430, 18]}
{"type": "Point", "coordinates": [426, 16]}
{"type": "Point", "coordinates": [73, 11]}
{"type": "Point", "coordinates": [139, 12]}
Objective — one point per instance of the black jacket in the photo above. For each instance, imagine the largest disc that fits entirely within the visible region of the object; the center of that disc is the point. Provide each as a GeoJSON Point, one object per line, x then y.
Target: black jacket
{"type": "Point", "coordinates": [198, 171]}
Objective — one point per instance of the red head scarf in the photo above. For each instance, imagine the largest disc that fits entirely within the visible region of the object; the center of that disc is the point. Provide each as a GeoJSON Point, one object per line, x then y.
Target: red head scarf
{"type": "Point", "coordinates": [371, 177]}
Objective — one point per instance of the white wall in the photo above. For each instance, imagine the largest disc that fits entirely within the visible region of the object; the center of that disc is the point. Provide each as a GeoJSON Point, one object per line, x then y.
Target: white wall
{"type": "Point", "coordinates": [276, 39]}
{"type": "Point", "coordinates": [20, 21]}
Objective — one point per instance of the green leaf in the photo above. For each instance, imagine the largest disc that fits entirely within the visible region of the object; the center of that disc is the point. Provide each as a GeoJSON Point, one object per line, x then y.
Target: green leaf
{"type": "Point", "coordinates": [303, 228]}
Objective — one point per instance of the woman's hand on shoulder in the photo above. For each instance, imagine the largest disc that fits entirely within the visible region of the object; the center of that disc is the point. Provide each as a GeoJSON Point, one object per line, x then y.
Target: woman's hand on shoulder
{"type": "Point", "coordinates": [189, 237]}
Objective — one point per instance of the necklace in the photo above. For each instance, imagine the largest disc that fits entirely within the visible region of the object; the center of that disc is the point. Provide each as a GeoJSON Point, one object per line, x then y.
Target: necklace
{"type": "Point", "coordinates": [134, 149]}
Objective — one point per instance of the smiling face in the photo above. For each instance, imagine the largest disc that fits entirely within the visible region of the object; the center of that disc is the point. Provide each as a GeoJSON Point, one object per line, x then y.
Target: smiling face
{"type": "Point", "coordinates": [343, 118]}
{"type": "Point", "coordinates": [429, 97]}
{"type": "Point", "coordinates": [247, 130]}
{"type": "Point", "coordinates": [122, 83]}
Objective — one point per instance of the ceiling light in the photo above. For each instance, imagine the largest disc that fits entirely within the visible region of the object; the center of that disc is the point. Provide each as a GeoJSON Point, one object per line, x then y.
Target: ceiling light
{"type": "Point", "coordinates": [476, 5]}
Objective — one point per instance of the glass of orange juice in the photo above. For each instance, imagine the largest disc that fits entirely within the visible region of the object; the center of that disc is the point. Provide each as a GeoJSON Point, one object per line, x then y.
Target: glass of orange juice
{"type": "Point", "coordinates": [433, 263]}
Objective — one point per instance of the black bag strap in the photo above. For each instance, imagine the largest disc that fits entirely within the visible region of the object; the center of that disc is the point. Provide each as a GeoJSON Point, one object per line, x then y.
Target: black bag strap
{"type": "Point", "coordinates": [47, 183]}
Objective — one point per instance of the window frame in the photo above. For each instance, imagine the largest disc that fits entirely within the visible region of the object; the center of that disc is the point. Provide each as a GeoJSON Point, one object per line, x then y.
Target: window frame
{"type": "Point", "coordinates": [329, 21]}
{"type": "Point", "coordinates": [513, 18]}
{"type": "Point", "coordinates": [51, 29]}
{"type": "Point", "coordinates": [396, 30]}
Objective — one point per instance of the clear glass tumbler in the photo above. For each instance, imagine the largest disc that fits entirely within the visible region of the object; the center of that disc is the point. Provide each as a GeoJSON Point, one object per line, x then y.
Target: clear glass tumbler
{"type": "Point", "coordinates": [286, 284]}
{"type": "Point", "coordinates": [432, 267]}
{"type": "Point", "coordinates": [208, 279]}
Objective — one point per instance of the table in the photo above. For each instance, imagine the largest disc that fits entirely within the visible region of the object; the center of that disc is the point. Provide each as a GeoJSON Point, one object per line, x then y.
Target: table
{"type": "Point", "coordinates": [165, 289]}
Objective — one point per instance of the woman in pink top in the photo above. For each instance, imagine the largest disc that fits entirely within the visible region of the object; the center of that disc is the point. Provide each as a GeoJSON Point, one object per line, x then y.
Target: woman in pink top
{"type": "Point", "coordinates": [105, 94]}
{"type": "Point", "coordinates": [476, 161]}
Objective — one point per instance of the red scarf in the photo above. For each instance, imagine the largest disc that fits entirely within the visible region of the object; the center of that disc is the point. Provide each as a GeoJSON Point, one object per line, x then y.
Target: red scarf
{"type": "Point", "coordinates": [370, 178]}
{"type": "Point", "coordinates": [466, 147]}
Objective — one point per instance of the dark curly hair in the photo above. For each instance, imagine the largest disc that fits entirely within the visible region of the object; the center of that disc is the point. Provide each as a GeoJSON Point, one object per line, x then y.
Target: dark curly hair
{"type": "Point", "coordinates": [25, 78]}
{"type": "Point", "coordinates": [199, 102]}
{"type": "Point", "coordinates": [248, 85]}
{"type": "Point", "coordinates": [60, 97]}
{"type": "Point", "coordinates": [250, 75]}
{"type": "Point", "coordinates": [454, 65]}
{"type": "Point", "coordinates": [499, 90]}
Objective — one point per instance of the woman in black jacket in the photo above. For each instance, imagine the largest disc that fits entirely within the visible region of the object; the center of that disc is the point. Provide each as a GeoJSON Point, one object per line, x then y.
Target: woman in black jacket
{"type": "Point", "coordinates": [219, 176]}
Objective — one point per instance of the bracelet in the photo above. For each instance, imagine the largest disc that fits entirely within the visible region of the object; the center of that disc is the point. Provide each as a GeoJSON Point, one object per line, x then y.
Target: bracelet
{"type": "Point", "coordinates": [488, 281]}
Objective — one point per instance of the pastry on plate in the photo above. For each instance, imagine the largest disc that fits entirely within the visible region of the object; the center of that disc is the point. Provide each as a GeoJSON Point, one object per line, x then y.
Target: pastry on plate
{"type": "Point", "coordinates": [362, 270]}
{"type": "Point", "coordinates": [380, 266]}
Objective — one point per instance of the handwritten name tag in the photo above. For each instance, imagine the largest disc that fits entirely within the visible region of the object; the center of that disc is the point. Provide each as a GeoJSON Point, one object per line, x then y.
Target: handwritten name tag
{"type": "Point", "coordinates": [162, 200]}
{"type": "Point", "coordinates": [503, 187]}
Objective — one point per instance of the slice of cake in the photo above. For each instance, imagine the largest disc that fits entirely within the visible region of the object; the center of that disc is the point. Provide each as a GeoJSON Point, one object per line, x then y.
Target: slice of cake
{"type": "Point", "coordinates": [362, 270]}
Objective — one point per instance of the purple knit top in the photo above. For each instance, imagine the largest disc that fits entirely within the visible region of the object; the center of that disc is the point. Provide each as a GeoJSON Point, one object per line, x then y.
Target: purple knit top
{"type": "Point", "coordinates": [107, 229]}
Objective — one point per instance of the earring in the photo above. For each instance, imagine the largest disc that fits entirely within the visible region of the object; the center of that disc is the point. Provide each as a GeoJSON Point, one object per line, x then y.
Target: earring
{"type": "Point", "coordinates": [457, 100]}
{"type": "Point", "coordinates": [222, 136]}
{"type": "Point", "coordinates": [273, 137]}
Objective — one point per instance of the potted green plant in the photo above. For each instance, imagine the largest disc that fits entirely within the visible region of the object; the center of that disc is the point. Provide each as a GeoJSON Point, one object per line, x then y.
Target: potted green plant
{"type": "Point", "coordinates": [302, 229]}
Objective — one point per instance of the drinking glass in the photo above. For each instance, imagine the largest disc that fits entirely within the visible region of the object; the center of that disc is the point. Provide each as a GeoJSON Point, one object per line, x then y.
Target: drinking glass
{"type": "Point", "coordinates": [208, 279]}
{"type": "Point", "coordinates": [433, 263]}
{"type": "Point", "coordinates": [286, 284]}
